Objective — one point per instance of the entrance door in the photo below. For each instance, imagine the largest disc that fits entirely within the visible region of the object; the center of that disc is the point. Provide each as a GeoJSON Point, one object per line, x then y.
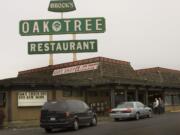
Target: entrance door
{"type": "Point", "coordinates": [141, 97]}
{"type": "Point", "coordinates": [119, 97]}
{"type": "Point", "coordinates": [131, 96]}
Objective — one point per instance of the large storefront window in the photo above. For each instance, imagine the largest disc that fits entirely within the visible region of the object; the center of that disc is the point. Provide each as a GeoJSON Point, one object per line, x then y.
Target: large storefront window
{"type": "Point", "coordinates": [67, 93]}
{"type": "Point", "coordinates": [77, 93]}
{"type": "Point", "coordinates": [168, 100]}
{"type": "Point", "coordinates": [92, 93]}
{"type": "Point", "coordinates": [176, 99]}
{"type": "Point", "coordinates": [172, 99]}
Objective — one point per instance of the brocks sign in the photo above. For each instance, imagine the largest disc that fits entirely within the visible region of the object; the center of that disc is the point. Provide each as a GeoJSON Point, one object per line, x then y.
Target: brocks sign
{"type": "Point", "coordinates": [61, 6]}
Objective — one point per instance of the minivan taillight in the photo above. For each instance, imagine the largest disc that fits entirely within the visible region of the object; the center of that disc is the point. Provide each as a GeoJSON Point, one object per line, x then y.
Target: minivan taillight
{"type": "Point", "coordinates": [110, 110]}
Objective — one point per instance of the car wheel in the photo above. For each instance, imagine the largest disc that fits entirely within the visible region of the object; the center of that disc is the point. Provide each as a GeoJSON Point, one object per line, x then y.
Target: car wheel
{"type": "Point", "coordinates": [48, 130]}
{"type": "Point", "coordinates": [94, 121]}
{"type": "Point", "coordinates": [150, 114]}
{"type": "Point", "coordinates": [137, 116]}
{"type": "Point", "coordinates": [75, 125]}
{"type": "Point", "coordinates": [116, 119]}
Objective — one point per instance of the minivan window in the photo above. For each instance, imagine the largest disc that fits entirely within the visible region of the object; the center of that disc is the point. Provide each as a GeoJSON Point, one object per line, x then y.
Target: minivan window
{"type": "Point", "coordinates": [75, 106]}
{"type": "Point", "coordinates": [55, 106]}
{"type": "Point", "coordinates": [85, 106]}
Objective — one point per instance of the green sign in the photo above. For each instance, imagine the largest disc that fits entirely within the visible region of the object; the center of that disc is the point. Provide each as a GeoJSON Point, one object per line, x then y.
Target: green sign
{"type": "Point", "coordinates": [67, 46]}
{"type": "Point", "coordinates": [62, 26]}
{"type": "Point", "coordinates": [61, 6]}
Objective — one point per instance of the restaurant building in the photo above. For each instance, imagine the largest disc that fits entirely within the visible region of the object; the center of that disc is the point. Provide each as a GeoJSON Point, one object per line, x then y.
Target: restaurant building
{"type": "Point", "coordinates": [101, 82]}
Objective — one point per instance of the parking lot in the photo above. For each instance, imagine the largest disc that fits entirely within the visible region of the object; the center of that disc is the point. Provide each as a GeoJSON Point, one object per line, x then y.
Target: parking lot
{"type": "Point", "coordinates": [165, 124]}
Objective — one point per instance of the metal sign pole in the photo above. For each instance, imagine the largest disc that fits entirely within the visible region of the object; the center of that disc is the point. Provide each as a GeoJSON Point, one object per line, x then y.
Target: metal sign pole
{"type": "Point", "coordinates": [51, 61]}
{"type": "Point", "coordinates": [51, 55]}
{"type": "Point", "coordinates": [74, 54]}
{"type": "Point", "coordinates": [74, 38]}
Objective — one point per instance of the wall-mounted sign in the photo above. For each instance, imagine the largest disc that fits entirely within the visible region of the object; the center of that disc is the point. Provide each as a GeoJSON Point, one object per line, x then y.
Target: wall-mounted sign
{"type": "Point", "coordinates": [75, 69]}
{"type": "Point", "coordinates": [69, 46]}
{"type": "Point", "coordinates": [62, 26]}
{"type": "Point", "coordinates": [31, 98]}
{"type": "Point", "coordinates": [61, 6]}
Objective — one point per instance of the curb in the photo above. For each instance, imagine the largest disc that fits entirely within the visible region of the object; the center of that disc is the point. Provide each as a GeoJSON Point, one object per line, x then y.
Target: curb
{"type": "Point", "coordinates": [175, 111]}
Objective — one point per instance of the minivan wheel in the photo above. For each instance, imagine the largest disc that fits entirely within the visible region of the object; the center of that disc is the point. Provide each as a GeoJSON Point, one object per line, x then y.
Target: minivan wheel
{"type": "Point", "coordinates": [94, 121]}
{"type": "Point", "coordinates": [48, 130]}
{"type": "Point", "coordinates": [75, 125]}
{"type": "Point", "coordinates": [137, 116]}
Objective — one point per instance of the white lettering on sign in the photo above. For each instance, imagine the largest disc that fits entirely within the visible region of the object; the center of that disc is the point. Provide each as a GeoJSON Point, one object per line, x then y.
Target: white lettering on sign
{"type": "Point", "coordinates": [67, 24]}
{"type": "Point", "coordinates": [75, 69]}
{"type": "Point", "coordinates": [62, 5]}
{"type": "Point", "coordinates": [45, 28]}
{"type": "Point", "coordinates": [98, 24]}
{"type": "Point", "coordinates": [35, 98]}
{"type": "Point", "coordinates": [77, 25]}
{"type": "Point", "coordinates": [36, 27]}
{"type": "Point", "coordinates": [88, 24]}
{"type": "Point", "coordinates": [25, 27]}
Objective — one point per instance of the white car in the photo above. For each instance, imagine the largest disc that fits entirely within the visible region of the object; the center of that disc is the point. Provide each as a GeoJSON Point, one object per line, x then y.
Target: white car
{"type": "Point", "coordinates": [132, 109]}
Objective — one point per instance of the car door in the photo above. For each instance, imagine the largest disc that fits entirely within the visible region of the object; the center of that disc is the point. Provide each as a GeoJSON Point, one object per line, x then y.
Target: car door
{"type": "Point", "coordinates": [140, 108]}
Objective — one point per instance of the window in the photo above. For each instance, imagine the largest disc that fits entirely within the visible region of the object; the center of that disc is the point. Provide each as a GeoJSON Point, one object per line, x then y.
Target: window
{"type": "Point", "coordinates": [85, 106]}
{"type": "Point", "coordinates": [75, 106]}
{"type": "Point", "coordinates": [168, 100]}
{"type": "Point", "coordinates": [77, 93]}
{"type": "Point", "coordinates": [139, 105]}
{"type": "Point", "coordinates": [176, 99]}
{"type": "Point", "coordinates": [93, 93]}
{"type": "Point", "coordinates": [67, 93]}
{"type": "Point", "coordinates": [2, 99]}
{"type": "Point", "coordinates": [125, 105]}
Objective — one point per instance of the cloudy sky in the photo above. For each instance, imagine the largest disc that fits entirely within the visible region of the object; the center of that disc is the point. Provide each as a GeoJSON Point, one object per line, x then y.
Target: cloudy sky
{"type": "Point", "coordinates": [145, 33]}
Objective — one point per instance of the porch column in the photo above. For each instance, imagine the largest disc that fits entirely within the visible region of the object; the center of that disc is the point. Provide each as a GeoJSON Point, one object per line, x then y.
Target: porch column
{"type": "Point", "coordinates": [146, 97]}
{"type": "Point", "coordinates": [136, 95]}
{"type": "Point", "coordinates": [112, 98]}
{"type": "Point", "coordinates": [125, 94]}
{"type": "Point", "coordinates": [9, 105]}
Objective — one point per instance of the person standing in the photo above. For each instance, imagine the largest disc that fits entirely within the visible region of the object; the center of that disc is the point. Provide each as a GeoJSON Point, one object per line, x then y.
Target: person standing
{"type": "Point", "coordinates": [156, 105]}
{"type": "Point", "coordinates": [161, 106]}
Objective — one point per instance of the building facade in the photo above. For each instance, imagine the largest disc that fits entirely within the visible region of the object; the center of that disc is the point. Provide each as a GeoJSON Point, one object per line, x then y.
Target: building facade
{"type": "Point", "coordinates": [101, 82]}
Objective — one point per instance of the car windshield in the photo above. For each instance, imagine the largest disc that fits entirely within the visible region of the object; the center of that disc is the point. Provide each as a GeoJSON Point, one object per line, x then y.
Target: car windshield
{"type": "Point", "coordinates": [125, 105]}
{"type": "Point", "coordinates": [55, 106]}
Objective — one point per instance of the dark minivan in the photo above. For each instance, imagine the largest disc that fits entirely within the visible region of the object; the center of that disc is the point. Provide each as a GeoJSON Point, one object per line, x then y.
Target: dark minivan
{"type": "Point", "coordinates": [66, 114]}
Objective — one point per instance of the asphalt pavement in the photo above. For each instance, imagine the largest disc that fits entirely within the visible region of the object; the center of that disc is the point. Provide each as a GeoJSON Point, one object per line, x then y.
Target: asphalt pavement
{"type": "Point", "coordinates": [164, 124]}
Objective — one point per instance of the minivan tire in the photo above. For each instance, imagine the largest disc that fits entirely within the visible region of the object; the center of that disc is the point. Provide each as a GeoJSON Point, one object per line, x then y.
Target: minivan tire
{"type": "Point", "coordinates": [75, 125]}
{"type": "Point", "coordinates": [94, 121]}
{"type": "Point", "coordinates": [48, 130]}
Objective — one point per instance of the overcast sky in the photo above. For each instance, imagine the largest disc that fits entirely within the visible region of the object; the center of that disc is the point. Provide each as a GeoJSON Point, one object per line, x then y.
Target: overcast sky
{"type": "Point", "coordinates": [145, 33]}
